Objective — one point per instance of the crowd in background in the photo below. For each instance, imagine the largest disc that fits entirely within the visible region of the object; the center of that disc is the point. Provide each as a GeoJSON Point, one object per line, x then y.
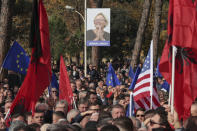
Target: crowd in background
{"type": "Point", "coordinates": [96, 106]}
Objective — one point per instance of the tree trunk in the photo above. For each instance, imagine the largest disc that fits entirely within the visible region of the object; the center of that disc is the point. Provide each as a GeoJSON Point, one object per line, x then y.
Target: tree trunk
{"type": "Point", "coordinates": [140, 32]}
{"type": "Point", "coordinates": [156, 31]}
{"type": "Point", "coordinates": [95, 49]}
{"type": "Point", "coordinates": [0, 7]}
{"type": "Point", "coordinates": [78, 58]}
{"type": "Point", "coordinates": [5, 30]}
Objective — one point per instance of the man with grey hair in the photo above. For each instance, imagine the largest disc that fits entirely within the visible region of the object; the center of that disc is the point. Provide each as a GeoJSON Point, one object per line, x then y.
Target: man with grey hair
{"type": "Point", "coordinates": [62, 105]}
{"type": "Point", "coordinates": [42, 107]}
{"type": "Point", "coordinates": [15, 124]}
{"type": "Point", "coordinates": [117, 111]}
{"type": "Point", "coordinates": [60, 127]}
{"type": "Point", "coordinates": [72, 114]}
{"type": "Point", "coordinates": [55, 127]}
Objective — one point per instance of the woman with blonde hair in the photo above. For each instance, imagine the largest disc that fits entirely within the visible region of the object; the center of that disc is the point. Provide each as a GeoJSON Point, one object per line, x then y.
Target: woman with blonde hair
{"type": "Point", "coordinates": [98, 34]}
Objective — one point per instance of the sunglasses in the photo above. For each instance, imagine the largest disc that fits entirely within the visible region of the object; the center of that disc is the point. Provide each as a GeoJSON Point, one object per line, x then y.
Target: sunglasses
{"type": "Point", "coordinates": [139, 115]}
{"type": "Point", "coordinates": [153, 123]}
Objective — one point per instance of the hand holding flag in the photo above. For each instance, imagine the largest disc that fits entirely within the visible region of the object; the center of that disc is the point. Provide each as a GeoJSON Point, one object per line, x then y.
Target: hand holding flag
{"type": "Point", "coordinates": [182, 32]}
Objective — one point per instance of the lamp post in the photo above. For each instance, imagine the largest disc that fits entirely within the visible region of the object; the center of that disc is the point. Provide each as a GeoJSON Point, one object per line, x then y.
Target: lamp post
{"type": "Point", "coordinates": [84, 20]}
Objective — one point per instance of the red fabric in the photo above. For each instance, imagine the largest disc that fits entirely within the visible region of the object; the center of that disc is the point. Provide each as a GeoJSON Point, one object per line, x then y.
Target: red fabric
{"type": "Point", "coordinates": [65, 90]}
{"type": "Point", "coordinates": [182, 18]}
{"type": "Point", "coordinates": [144, 102]}
{"type": "Point", "coordinates": [39, 72]}
{"type": "Point", "coordinates": [109, 95]}
{"type": "Point", "coordinates": [184, 23]}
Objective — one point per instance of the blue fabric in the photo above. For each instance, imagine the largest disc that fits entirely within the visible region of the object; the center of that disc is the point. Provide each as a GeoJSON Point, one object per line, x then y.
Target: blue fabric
{"type": "Point", "coordinates": [157, 73]}
{"type": "Point", "coordinates": [165, 86]}
{"type": "Point", "coordinates": [54, 84]}
{"type": "Point", "coordinates": [132, 110]}
{"type": "Point", "coordinates": [131, 73]}
{"type": "Point", "coordinates": [112, 79]}
{"type": "Point", "coordinates": [137, 72]}
{"type": "Point", "coordinates": [17, 59]}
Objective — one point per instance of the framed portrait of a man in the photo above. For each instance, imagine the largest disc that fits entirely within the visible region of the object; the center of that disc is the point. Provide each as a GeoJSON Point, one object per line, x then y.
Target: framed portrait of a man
{"type": "Point", "coordinates": [98, 27]}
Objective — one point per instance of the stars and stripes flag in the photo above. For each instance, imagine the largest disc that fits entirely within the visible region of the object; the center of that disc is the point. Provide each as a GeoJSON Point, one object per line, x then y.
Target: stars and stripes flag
{"type": "Point", "coordinates": [145, 96]}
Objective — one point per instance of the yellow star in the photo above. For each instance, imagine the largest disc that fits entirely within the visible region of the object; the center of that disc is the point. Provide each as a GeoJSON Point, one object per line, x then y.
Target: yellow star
{"type": "Point", "coordinates": [22, 53]}
{"type": "Point", "coordinates": [18, 56]}
{"type": "Point", "coordinates": [17, 61]}
{"type": "Point", "coordinates": [21, 69]}
{"type": "Point", "coordinates": [111, 78]}
{"type": "Point", "coordinates": [18, 66]}
{"type": "Point", "coordinates": [109, 82]}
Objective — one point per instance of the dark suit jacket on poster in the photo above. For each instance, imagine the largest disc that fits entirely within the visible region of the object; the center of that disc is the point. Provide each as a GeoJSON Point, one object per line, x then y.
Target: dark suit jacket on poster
{"type": "Point", "coordinates": [91, 35]}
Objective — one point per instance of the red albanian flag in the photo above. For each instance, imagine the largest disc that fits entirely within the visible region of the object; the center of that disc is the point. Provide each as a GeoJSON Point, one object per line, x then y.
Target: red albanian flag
{"type": "Point", "coordinates": [182, 33]}
{"type": "Point", "coordinates": [65, 90]}
{"type": "Point", "coordinates": [39, 72]}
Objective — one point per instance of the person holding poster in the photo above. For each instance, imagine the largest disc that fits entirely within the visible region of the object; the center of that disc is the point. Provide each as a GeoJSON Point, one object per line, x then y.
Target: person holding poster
{"type": "Point", "coordinates": [98, 34]}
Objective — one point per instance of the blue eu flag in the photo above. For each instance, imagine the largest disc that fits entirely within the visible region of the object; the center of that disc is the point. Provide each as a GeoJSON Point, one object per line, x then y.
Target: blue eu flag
{"type": "Point", "coordinates": [54, 84]}
{"type": "Point", "coordinates": [157, 73]}
{"type": "Point", "coordinates": [131, 73]}
{"type": "Point", "coordinates": [112, 79]}
{"type": "Point", "coordinates": [17, 59]}
{"type": "Point", "coordinates": [165, 86]}
{"type": "Point", "coordinates": [137, 72]}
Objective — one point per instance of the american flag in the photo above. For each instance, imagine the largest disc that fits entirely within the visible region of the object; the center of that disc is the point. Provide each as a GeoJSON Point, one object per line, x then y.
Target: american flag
{"type": "Point", "coordinates": [145, 96]}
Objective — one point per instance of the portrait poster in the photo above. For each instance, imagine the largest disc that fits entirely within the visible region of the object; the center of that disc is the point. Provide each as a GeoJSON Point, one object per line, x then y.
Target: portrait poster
{"type": "Point", "coordinates": [98, 27]}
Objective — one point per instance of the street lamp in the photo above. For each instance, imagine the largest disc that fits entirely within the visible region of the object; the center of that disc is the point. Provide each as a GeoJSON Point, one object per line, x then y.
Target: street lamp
{"type": "Point", "coordinates": [73, 9]}
{"type": "Point", "coordinates": [84, 20]}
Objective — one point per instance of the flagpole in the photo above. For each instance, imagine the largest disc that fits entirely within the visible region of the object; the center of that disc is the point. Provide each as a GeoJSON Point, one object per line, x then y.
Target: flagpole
{"type": "Point", "coordinates": [130, 104]}
{"type": "Point", "coordinates": [174, 50]}
{"type": "Point", "coordinates": [74, 103]}
{"type": "Point", "coordinates": [151, 74]}
{"type": "Point", "coordinates": [170, 96]}
{"type": "Point", "coordinates": [1, 69]}
{"type": "Point", "coordinates": [7, 114]}
{"type": "Point", "coordinates": [85, 50]}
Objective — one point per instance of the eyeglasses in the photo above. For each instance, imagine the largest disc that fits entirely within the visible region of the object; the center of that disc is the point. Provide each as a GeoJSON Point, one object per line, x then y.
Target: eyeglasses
{"type": "Point", "coordinates": [54, 91]}
{"type": "Point", "coordinates": [139, 115]}
{"type": "Point", "coordinates": [94, 110]}
{"type": "Point", "coordinates": [82, 107]}
{"type": "Point", "coordinates": [153, 123]}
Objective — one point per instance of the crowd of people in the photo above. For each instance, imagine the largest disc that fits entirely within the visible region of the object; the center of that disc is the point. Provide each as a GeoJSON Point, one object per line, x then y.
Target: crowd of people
{"type": "Point", "coordinates": [96, 106]}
